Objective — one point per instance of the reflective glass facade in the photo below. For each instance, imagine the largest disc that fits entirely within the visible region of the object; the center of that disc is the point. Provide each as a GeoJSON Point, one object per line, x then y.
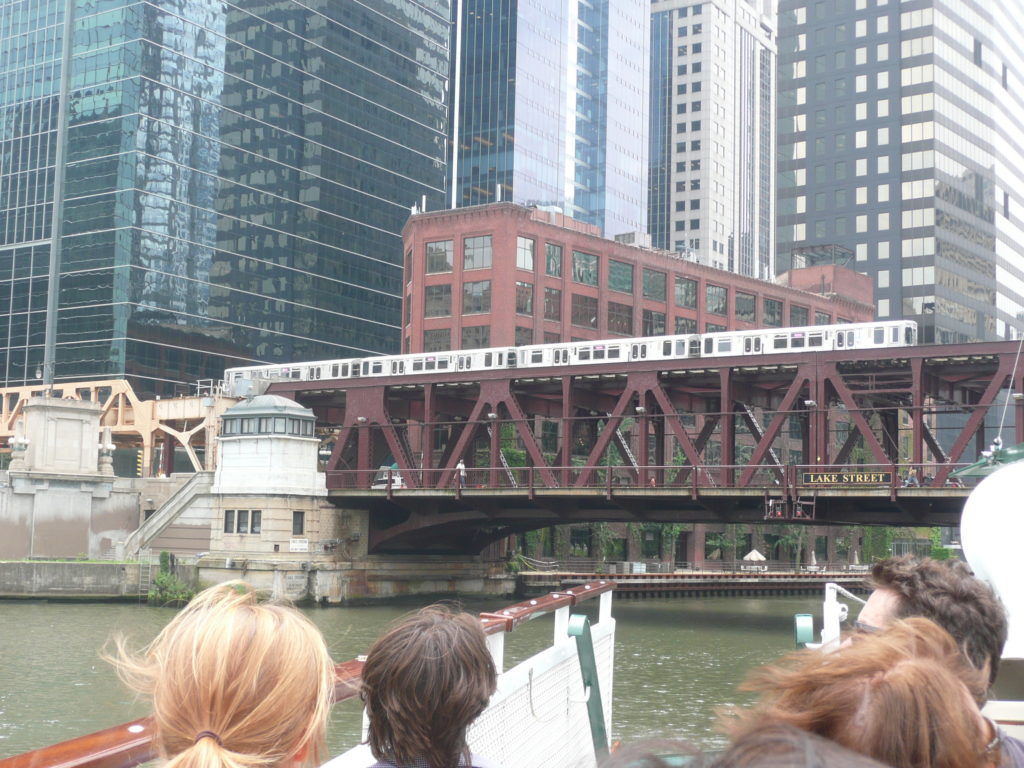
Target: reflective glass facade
{"type": "Point", "coordinates": [235, 180]}
{"type": "Point", "coordinates": [551, 98]}
{"type": "Point", "coordinates": [712, 132]}
{"type": "Point", "coordinates": [901, 142]}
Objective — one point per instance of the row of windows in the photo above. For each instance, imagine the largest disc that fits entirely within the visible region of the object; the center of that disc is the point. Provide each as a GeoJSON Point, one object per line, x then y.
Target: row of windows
{"type": "Point", "coordinates": [266, 425]}
{"type": "Point", "coordinates": [250, 521]}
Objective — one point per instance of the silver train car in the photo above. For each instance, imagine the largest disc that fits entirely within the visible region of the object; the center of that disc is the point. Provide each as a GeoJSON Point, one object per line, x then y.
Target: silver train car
{"type": "Point", "coordinates": [763, 341]}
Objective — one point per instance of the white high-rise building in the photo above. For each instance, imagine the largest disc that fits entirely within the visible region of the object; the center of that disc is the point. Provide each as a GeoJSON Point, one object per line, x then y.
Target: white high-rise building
{"type": "Point", "coordinates": [712, 132]}
{"type": "Point", "coordinates": [901, 145]}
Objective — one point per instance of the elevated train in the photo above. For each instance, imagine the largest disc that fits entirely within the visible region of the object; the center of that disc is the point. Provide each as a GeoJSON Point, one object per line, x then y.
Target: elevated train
{"type": "Point", "coordinates": [764, 341]}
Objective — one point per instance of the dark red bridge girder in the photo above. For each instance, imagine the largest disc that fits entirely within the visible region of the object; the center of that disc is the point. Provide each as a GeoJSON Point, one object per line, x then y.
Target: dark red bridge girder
{"type": "Point", "coordinates": [712, 423]}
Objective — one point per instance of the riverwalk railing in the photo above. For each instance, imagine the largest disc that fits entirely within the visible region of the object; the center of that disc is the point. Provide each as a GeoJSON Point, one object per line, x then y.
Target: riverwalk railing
{"type": "Point", "coordinates": [131, 744]}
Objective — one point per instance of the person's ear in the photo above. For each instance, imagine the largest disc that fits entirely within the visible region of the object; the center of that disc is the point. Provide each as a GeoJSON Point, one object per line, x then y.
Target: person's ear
{"type": "Point", "coordinates": [299, 758]}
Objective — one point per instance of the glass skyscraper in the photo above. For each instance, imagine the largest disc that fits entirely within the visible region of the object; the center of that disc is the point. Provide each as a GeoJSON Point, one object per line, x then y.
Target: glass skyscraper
{"type": "Point", "coordinates": [206, 183]}
{"type": "Point", "coordinates": [712, 156]}
{"type": "Point", "coordinates": [551, 98]}
{"type": "Point", "coordinates": [901, 147]}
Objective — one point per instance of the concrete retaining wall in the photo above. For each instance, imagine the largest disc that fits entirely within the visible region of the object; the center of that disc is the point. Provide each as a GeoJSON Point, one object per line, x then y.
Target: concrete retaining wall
{"type": "Point", "coordinates": [69, 580]}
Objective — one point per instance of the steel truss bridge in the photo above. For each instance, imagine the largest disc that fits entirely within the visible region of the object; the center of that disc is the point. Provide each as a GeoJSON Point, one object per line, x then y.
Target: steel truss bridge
{"type": "Point", "coordinates": [783, 437]}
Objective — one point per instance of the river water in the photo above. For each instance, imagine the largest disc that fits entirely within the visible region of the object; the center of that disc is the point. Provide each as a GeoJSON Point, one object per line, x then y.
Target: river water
{"type": "Point", "coordinates": [676, 661]}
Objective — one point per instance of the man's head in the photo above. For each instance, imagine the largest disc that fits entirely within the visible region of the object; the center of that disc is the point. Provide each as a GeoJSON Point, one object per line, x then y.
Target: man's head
{"type": "Point", "coordinates": [424, 682]}
{"type": "Point", "coordinates": [945, 592]}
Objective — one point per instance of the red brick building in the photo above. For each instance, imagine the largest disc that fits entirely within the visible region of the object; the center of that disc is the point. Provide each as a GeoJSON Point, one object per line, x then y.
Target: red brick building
{"type": "Point", "coordinates": [504, 274]}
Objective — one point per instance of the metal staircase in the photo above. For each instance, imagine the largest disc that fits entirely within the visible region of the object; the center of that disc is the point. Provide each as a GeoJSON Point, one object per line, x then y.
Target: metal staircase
{"type": "Point", "coordinates": [504, 462]}
{"type": "Point", "coordinates": [758, 431]}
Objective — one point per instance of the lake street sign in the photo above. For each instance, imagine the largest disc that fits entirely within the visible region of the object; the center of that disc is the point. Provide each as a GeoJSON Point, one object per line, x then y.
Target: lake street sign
{"type": "Point", "coordinates": [847, 478]}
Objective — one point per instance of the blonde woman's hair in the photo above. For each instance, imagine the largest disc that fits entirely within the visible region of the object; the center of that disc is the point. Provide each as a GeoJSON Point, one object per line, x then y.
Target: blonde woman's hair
{"type": "Point", "coordinates": [235, 683]}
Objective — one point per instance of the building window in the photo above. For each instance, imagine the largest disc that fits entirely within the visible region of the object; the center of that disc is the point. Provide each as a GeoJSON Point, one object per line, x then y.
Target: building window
{"type": "Point", "coordinates": [229, 521]}
{"type": "Point", "coordinates": [620, 318]}
{"type": "Point", "coordinates": [553, 259]}
{"type": "Point", "coordinates": [746, 307]}
{"type": "Point", "coordinates": [476, 336]}
{"type": "Point", "coordinates": [438, 340]}
{"type": "Point", "coordinates": [686, 293]}
{"type": "Point", "coordinates": [437, 301]}
{"type": "Point", "coordinates": [686, 325]}
{"type": "Point", "coordinates": [713, 328]}
{"type": "Point", "coordinates": [716, 299]}
{"type": "Point", "coordinates": [797, 315]}
{"type": "Point", "coordinates": [620, 276]}
{"type": "Point", "coordinates": [523, 336]}
{"type": "Point", "coordinates": [298, 522]}
{"type": "Point", "coordinates": [440, 256]}
{"type": "Point", "coordinates": [822, 318]}
{"type": "Point", "coordinates": [772, 313]}
{"type": "Point", "coordinates": [524, 253]}
{"type": "Point", "coordinates": [476, 252]}
{"type": "Point", "coordinates": [551, 337]}
{"type": "Point", "coordinates": [553, 304]}
{"type": "Point", "coordinates": [246, 521]}
{"type": "Point", "coordinates": [584, 268]}
{"type": "Point", "coordinates": [524, 298]}
{"type": "Point", "coordinates": [654, 285]}
{"type": "Point", "coordinates": [476, 297]}
{"type": "Point", "coordinates": [653, 323]}
{"type": "Point", "coordinates": [584, 311]}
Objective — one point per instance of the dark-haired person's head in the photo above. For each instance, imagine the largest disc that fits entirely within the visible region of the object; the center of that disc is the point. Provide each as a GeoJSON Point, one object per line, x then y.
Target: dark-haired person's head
{"type": "Point", "coordinates": [424, 682]}
{"type": "Point", "coordinates": [948, 593]}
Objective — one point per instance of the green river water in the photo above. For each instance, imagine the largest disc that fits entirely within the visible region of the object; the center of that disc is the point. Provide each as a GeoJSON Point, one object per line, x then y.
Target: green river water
{"type": "Point", "coordinates": [676, 661]}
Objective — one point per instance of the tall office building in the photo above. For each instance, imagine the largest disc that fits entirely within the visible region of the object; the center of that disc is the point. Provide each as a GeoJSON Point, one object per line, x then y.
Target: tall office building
{"type": "Point", "coordinates": [551, 106]}
{"type": "Point", "coordinates": [194, 183]}
{"type": "Point", "coordinates": [712, 177]}
{"type": "Point", "coordinates": [901, 144]}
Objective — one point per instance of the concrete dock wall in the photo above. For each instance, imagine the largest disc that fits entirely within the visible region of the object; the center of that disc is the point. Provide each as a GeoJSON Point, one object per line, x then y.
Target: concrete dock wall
{"type": "Point", "coordinates": [69, 580]}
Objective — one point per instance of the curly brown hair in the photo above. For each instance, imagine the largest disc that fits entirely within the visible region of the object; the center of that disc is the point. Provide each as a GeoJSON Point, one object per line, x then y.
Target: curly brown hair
{"type": "Point", "coordinates": [901, 697]}
{"type": "Point", "coordinates": [948, 593]}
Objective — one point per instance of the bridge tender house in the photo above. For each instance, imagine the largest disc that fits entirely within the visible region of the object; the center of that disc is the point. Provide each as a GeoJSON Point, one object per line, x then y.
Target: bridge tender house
{"type": "Point", "coordinates": [847, 478]}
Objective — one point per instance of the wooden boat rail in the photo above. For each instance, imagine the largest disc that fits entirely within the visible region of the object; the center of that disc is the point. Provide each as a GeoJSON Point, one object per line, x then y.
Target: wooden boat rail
{"type": "Point", "coordinates": [131, 744]}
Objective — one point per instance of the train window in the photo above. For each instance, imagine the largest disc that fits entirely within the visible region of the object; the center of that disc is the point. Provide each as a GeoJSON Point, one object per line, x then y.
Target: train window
{"type": "Point", "coordinates": [910, 335]}
{"type": "Point", "coordinates": [599, 353]}
{"type": "Point", "coordinates": [488, 359]}
{"type": "Point", "coordinates": [634, 351]}
{"type": "Point", "coordinates": [798, 341]}
{"type": "Point", "coordinates": [431, 364]}
{"type": "Point", "coordinates": [849, 338]}
{"type": "Point", "coordinates": [709, 346]}
{"type": "Point", "coordinates": [334, 371]}
{"type": "Point", "coordinates": [643, 351]}
{"type": "Point", "coordinates": [666, 349]}
{"type": "Point", "coordinates": [757, 344]}
{"type": "Point", "coordinates": [878, 337]}
{"type": "Point", "coordinates": [814, 339]}
{"type": "Point", "coordinates": [680, 348]}
{"type": "Point", "coordinates": [780, 342]}
{"type": "Point", "coordinates": [895, 335]}
{"type": "Point", "coordinates": [584, 353]}
{"type": "Point", "coordinates": [537, 356]}
{"type": "Point", "coordinates": [394, 367]}
{"type": "Point", "coordinates": [512, 359]}
{"type": "Point", "coordinates": [840, 340]}
{"type": "Point", "coordinates": [613, 353]}
{"type": "Point", "coordinates": [500, 357]}
{"type": "Point", "coordinates": [377, 367]}
{"type": "Point", "coordinates": [725, 345]}
{"type": "Point", "coordinates": [748, 345]}
{"type": "Point", "coordinates": [296, 373]}
{"type": "Point", "coordinates": [694, 347]}
{"type": "Point", "coordinates": [442, 364]}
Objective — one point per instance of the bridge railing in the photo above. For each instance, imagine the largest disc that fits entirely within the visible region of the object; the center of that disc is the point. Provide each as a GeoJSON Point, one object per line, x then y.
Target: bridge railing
{"type": "Point", "coordinates": [790, 479]}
